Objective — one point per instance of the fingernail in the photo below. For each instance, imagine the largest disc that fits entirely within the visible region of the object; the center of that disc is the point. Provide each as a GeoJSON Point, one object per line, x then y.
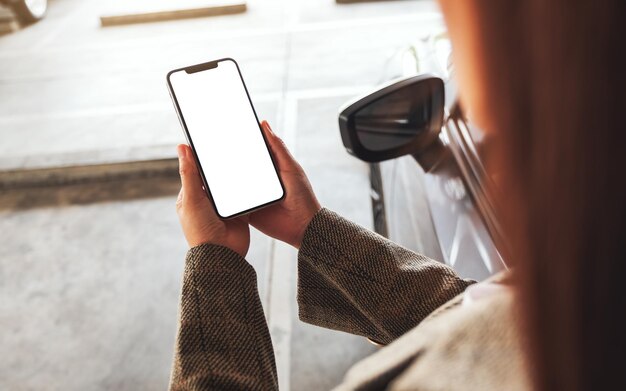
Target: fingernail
{"type": "Point", "coordinates": [181, 152]}
{"type": "Point", "coordinates": [269, 128]}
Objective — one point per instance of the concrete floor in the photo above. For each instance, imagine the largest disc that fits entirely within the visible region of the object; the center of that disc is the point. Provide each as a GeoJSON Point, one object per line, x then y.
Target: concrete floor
{"type": "Point", "coordinates": [88, 293]}
{"type": "Point", "coordinates": [80, 93]}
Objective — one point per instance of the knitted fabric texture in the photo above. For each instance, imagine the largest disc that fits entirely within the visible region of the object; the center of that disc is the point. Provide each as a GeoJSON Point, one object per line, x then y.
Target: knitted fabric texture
{"type": "Point", "coordinates": [223, 342]}
{"type": "Point", "coordinates": [353, 280]}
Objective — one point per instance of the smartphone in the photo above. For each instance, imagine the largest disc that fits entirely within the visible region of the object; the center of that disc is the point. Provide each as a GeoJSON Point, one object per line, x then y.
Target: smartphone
{"type": "Point", "coordinates": [223, 131]}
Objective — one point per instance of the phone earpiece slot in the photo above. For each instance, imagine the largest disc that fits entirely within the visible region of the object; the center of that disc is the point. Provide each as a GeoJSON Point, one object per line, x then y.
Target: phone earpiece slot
{"type": "Point", "coordinates": [201, 67]}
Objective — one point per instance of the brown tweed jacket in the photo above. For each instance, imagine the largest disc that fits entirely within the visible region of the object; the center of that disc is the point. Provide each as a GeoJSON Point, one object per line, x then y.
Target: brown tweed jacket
{"type": "Point", "coordinates": [352, 280]}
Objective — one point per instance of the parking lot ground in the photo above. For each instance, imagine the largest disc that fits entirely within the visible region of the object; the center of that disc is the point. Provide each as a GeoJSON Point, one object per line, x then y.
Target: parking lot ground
{"type": "Point", "coordinates": [75, 93]}
{"type": "Point", "coordinates": [88, 290]}
{"type": "Point", "coordinates": [89, 285]}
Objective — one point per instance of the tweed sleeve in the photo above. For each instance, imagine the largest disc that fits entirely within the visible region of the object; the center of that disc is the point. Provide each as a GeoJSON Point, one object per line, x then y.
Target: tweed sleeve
{"type": "Point", "coordinates": [353, 280]}
{"type": "Point", "coordinates": [223, 342]}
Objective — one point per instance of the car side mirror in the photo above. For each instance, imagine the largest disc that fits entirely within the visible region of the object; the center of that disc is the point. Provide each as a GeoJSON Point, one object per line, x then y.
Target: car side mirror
{"type": "Point", "coordinates": [402, 118]}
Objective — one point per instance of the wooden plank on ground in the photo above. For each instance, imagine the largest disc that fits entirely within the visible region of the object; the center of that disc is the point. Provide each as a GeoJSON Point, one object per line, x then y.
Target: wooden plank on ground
{"type": "Point", "coordinates": [176, 11]}
{"type": "Point", "coordinates": [359, 1]}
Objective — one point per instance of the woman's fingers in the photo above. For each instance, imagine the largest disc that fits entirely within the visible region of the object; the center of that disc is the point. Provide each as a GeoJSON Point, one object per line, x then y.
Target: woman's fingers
{"type": "Point", "coordinates": [285, 160]}
{"type": "Point", "coordinates": [190, 178]}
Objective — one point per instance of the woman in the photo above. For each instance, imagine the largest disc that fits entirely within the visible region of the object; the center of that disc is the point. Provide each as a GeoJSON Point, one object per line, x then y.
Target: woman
{"type": "Point", "coordinates": [543, 78]}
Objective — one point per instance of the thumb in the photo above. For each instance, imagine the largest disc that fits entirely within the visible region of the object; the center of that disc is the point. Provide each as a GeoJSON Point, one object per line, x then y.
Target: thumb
{"type": "Point", "coordinates": [189, 175]}
{"type": "Point", "coordinates": [285, 160]}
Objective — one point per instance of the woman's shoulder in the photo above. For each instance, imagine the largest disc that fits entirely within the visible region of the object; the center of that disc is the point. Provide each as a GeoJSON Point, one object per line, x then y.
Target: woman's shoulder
{"type": "Point", "coordinates": [466, 346]}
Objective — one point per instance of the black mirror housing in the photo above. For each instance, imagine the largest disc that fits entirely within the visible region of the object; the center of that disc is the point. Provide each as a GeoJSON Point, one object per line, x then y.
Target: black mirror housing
{"type": "Point", "coordinates": [401, 118]}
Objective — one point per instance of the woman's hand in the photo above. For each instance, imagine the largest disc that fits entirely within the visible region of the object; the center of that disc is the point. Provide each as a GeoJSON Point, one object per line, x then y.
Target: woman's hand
{"type": "Point", "coordinates": [288, 219]}
{"type": "Point", "coordinates": [197, 217]}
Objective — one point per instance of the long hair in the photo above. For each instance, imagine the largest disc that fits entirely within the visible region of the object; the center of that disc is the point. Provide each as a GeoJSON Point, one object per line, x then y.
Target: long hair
{"type": "Point", "coordinates": [556, 87]}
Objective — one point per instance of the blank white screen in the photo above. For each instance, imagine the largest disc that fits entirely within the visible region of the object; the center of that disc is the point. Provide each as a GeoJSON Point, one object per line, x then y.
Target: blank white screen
{"type": "Point", "coordinates": [227, 139]}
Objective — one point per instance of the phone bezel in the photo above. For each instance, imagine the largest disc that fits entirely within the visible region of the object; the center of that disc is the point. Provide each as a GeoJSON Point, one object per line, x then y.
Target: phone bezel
{"type": "Point", "coordinates": [206, 66]}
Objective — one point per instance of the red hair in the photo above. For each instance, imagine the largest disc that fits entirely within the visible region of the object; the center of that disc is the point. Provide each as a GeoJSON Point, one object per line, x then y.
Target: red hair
{"type": "Point", "coordinates": [557, 80]}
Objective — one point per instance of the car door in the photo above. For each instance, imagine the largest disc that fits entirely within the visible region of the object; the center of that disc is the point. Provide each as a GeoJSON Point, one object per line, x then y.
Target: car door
{"type": "Point", "coordinates": [434, 198]}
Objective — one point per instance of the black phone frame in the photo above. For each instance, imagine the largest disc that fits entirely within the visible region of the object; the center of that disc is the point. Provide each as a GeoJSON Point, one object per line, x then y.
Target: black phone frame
{"type": "Point", "coordinates": [204, 67]}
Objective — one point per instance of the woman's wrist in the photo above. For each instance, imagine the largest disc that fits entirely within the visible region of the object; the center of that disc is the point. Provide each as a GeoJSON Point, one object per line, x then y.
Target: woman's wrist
{"type": "Point", "coordinates": [305, 226]}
